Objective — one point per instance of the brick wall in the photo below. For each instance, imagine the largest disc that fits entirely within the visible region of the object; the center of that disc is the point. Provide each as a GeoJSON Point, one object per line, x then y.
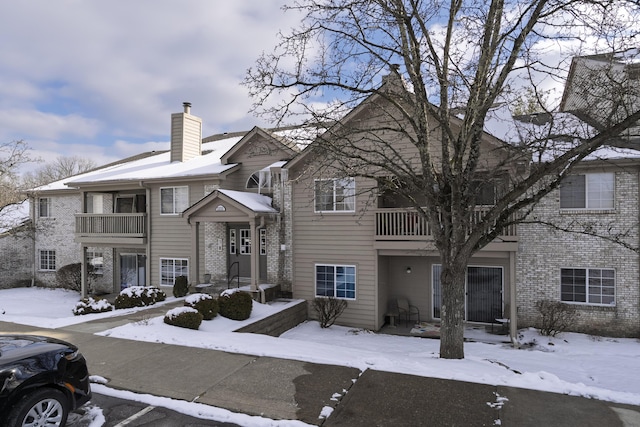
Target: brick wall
{"type": "Point", "coordinates": [543, 252]}
{"type": "Point", "coordinates": [16, 253]}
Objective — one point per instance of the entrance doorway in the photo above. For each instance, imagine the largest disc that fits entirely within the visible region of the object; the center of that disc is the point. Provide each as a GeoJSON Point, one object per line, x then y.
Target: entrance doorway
{"type": "Point", "coordinates": [240, 246]}
{"type": "Point", "coordinates": [132, 270]}
{"type": "Point", "coordinates": [484, 287]}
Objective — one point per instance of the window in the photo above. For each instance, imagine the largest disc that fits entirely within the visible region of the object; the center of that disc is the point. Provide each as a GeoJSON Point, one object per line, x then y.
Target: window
{"type": "Point", "coordinates": [44, 207]}
{"type": "Point", "coordinates": [334, 195]}
{"type": "Point", "coordinates": [245, 241]}
{"type": "Point", "coordinates": [588, 285]}
{"type": "Point", "coordinates": [47, 260]}
{"type": "Point", "coordinates": [170, 268]}
{"type": "Point", "coordinates": [232, 241]}
{"type": "Point", "coordinates": [260, 180]}
{"type": "Point", "coordinates": [96, 260]}
{"type": "Point", "coordinates": [174, 200]}
{"type": "Point", "coordinates": [263, 241]}
{"type": "Point", "coordinates": [94, 203]}
{"type": "Point", "coordinates": [336, 281]}
{"type": "Point", "coordinates": [590, 191]}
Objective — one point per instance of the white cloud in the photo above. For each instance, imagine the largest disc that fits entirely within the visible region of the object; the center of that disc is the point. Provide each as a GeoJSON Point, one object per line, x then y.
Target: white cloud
{"type": "Point", "coordinates": [99, 72]}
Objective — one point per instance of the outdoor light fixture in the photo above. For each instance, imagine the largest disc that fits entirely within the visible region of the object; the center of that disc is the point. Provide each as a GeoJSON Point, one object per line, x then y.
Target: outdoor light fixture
{"type": "Point", "coordinates": [408, 270]}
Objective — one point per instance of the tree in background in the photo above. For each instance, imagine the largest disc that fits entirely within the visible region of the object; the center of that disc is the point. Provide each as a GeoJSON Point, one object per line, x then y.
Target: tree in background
{"type": "Point", "coordinates": [62, 167]}
{"type": "Point", "coordinates": [450, 63]}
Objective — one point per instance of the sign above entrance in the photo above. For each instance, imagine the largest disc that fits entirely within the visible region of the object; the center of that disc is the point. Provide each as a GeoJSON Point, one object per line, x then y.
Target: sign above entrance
{"type": "Point", "coordinates": [221, 208]}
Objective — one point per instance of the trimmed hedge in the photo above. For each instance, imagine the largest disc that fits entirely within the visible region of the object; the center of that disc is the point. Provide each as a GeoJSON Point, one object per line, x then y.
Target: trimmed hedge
{"type": "Point", "coordinates": [236, 305]}
{"type": "Point", "coordinates": [90, 305]}
{"type": "Point", "coordinates": [183, 317]}
{"type": "Point", "coordinates": [139, 296]}
{"type": "Point", "coordinates": [204, 303]}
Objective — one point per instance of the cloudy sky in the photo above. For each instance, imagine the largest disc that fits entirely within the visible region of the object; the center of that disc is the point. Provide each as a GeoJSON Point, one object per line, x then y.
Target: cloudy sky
{"type": "Point", "coordinates": [100, 78]}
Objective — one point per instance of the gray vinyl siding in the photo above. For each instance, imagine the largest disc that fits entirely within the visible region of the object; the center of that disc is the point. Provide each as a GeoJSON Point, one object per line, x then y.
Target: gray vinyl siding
{"type": "Point", "coordinates": [171, 234]}
{"type": "Point", "coordinates": [337, 239]}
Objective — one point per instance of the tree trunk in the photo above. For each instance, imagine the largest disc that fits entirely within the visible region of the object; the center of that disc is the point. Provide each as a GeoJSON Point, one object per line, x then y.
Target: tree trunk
{"type": "Point", "coordinates": [452, 280]}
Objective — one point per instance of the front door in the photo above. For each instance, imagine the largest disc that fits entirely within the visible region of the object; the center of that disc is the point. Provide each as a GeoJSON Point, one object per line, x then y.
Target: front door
{"type": "Point", "coordinates": [132, 270]}
{"type": "Point", "coordinates": [483, 293]}
{"type": "Point", "coordinates": [239, 260]}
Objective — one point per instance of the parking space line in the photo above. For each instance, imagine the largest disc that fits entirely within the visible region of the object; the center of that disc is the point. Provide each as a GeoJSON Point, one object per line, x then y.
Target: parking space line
{"type": "Point", "coordinates": [135, 416]}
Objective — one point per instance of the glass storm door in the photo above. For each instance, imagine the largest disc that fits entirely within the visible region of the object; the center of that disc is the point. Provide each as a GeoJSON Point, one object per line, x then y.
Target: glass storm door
{"type": "Point", "coordinates": [132, 270]}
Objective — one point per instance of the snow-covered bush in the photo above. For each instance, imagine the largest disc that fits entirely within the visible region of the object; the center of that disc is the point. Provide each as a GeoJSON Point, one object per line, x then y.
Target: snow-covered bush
{"type": "Point", "coordinates": [236, 305]}
{"type": "Point", "coordinates": [184, 317]}
{"type": "Point", "coordinates": [328, 310]}
{"type": "Point", "coordinates": [90, 305]}
{"type": "Point", "coordinates": [139, 296]}
{"type": "Point", "coordinates": [204, 303]}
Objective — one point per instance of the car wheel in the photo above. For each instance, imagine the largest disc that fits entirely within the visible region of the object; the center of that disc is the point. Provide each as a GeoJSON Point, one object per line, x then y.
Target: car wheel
{"type": "Point", "coordinates": [42, 407]}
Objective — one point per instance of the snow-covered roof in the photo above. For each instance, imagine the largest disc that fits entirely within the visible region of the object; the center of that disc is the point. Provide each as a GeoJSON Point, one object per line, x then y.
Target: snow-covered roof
{"type": "Point", "coordinates": [157, 166]}
{"type": "Point", "coordinates": [14, 215]}
{"type": "Point", "coordinates": [253, 201]}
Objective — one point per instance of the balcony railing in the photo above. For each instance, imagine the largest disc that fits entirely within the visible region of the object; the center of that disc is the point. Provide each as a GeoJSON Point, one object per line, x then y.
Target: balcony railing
{"type": "Point", "coordinates": [403, 224]}
{"type": "Point", "coordinates": [111, 225]}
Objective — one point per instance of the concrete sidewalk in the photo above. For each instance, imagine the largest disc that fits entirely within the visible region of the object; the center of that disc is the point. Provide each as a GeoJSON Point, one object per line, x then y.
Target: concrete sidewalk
{"type": "Point", "coordinates": [288, 389]}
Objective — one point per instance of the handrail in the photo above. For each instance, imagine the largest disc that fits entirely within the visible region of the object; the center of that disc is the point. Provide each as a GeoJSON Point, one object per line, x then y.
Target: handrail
{"type": "Point", "coordinates": [230, 279]}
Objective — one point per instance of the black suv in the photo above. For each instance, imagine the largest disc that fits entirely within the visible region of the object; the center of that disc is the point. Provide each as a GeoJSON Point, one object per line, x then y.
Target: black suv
{"type": "Point", "coordinates": [41, 380]}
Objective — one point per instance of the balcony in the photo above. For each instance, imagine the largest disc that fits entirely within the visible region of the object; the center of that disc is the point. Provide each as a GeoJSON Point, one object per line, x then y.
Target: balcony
{"type": "Point", "coordinates": [107, 229]}
{"type": "Point", "coordinates": [403, 225]}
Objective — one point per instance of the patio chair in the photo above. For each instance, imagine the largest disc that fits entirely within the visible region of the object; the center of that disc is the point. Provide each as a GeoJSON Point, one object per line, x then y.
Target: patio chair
{"type": "Point", "coordinates": [407, 310]}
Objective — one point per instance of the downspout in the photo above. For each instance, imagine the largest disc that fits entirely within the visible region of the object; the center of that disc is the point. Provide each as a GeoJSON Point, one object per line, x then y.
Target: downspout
{"type": "Point", "coordinates": [263, 299]}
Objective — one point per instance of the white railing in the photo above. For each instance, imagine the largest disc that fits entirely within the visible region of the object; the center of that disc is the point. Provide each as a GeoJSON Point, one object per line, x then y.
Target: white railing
{"type": "Point", "coordinates": [111, 225]}
{"type": "Point", "coordinates": [404, 224]}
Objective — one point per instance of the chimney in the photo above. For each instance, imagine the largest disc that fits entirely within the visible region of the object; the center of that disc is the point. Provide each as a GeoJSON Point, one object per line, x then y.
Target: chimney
{"type": "Point", "coordinates": [186, 135]}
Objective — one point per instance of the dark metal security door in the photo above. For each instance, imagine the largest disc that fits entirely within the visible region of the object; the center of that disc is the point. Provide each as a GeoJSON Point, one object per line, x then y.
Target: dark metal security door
{"type": "Point", "coordinates": [484, 294]}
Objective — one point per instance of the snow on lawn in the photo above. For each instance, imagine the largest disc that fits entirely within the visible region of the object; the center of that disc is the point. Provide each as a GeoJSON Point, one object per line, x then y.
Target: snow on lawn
{"type": "Point", "coordinates": [576, 364]}
{"type": "Point", "coordinates": [50, 308]}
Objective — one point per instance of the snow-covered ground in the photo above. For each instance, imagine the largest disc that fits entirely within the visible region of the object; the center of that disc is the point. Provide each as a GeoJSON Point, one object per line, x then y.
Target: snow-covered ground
{"type": "Point", "coordinates": [576, 364]}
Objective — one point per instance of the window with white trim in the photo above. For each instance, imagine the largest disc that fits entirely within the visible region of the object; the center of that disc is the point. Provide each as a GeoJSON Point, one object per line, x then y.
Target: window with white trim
{"type": "Point", "coordinates": [588, 191]}
{"type": "Point", "coordinates": [335, 195]}
{"type": "Point", "coordinates": [588, 285]}
{"type": "Point", "coordinates": [232, 241]}
{"type": "Point", "coordinates": [174, 200]}
{"type": "Point", "coordinates": [170, 268]}
{"type": "Point", "coordinates": [47, 260]}
{"type": "Point", "coordinates": [44, 207]}
{"type": "Point", "coordinates": [337, 281]}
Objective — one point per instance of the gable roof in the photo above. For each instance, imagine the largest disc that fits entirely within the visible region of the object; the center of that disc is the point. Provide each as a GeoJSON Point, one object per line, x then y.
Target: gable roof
{"type": "Point", "coordinates": [250, 204]}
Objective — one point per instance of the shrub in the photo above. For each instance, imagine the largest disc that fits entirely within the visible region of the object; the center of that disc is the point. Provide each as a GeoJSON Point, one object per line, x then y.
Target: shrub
{"type": "Point", "coordinates": [70, 277]}
{"type": "Point", "coordinates": [328, 310]}
{"type": "Point", "coordinates": [139, 296]}
{"type": "Point", "coordinates": [236, 305]}
{"type": "Point", "coordinates": [184, 317]}
{"type": "Point", "coordinates": [555, 316]}
{"type": "Point", "coordinates": [90, 305]}
{"type": "Point", "coordinates": [180, 287]}
{"type": "Point", "coordinates": [204, 303]}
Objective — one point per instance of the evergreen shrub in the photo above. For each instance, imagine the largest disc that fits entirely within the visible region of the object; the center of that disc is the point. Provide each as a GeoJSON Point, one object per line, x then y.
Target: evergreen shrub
{"type": "Point", "coordinates": [236, 305]}
{"type": "Point", "coordinates": [184, 317]}
{"type": "Point", "coordinates": [91, 305]}
{"type": "Point", "coordinates": [204, 303]}
{"type": "Point", "coordinates": [180, 287]}
{"type": "Point", "coordinates": [139, 296]}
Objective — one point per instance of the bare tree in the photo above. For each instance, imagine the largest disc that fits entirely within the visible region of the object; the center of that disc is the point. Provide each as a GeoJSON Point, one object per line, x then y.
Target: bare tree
{"type": "Point", "coordinates": [12, 155]}
{"type": "Point", "coordinates": [459, 59]}
{"type": "Point", "coordinates": [62, 167]}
